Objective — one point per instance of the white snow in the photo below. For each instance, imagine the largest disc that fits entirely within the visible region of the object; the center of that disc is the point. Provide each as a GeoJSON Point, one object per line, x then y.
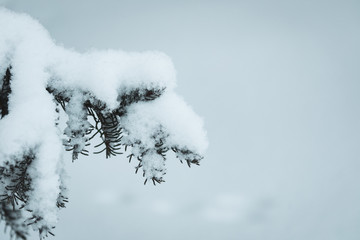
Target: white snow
{"type": "Point", "coordinates": [170, 111]}
{"type": "Point", "coordinates": [37, 62]}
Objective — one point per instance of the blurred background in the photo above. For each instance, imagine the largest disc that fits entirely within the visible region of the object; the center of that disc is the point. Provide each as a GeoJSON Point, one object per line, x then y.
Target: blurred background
{"type": "Point", "coordinates": [277, 84]}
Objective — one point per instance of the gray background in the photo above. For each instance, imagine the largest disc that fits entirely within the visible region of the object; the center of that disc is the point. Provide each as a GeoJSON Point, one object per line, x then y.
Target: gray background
{"type": "Point", "coordinates": [277, 83]}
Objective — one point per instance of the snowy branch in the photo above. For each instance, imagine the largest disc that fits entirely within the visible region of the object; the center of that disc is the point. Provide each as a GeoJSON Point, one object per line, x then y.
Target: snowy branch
{"type": "Point", "coordinates": [126, 101]}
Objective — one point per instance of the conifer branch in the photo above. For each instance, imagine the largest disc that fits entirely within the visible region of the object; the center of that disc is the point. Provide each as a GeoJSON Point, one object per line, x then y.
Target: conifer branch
{"type": "Point", "coordinates": [5, 91]}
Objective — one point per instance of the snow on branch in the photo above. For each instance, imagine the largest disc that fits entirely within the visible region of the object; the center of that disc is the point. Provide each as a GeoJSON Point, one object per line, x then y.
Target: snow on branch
{"type": "Point", "coordinates": [118, 102]}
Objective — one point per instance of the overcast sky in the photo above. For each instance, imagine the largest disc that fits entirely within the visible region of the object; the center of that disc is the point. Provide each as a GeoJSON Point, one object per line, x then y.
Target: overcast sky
{"type": "Point", "coordinates": [277, 83]}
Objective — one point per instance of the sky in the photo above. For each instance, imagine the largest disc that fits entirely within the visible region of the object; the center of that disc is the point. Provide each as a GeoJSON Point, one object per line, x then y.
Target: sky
{"type": "Point", "coordinates": [277, 84]}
